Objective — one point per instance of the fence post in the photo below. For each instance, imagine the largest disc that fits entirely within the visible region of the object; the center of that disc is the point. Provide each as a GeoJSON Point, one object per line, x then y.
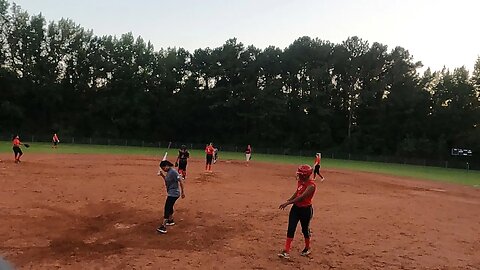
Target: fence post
{"type": "Point", "coordinates": [90, 140]}
{"type": "Point", "coordinates": [446, 164]}
{"type": "Point", "coordinates": [126, 142]}
{"type": "Point", "coordinates": [108, 141]}
{"type": "Point", "coordinates": [349, 156]}
{"type": "Point", "coordinates": [468, 166]}
{"type": "Point", "coordinates": [33, 138]}
{"type": "Point", "coordinates": [143, 143]}
{"type": "Point", "coordinates": [73, 140]}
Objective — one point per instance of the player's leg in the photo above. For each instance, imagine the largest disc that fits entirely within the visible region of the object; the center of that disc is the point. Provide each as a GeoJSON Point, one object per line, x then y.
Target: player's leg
{"type": "Point", "coordinates": [306, 214]}
{"type": "Point", "coordinates": [167, 213]}
{"type": "Point", "coordinates": [20, 153]}
{"type": "Point", "coordinates": [319, 174]}
{"type": "Point", "coordinates": [316, 171]}
{"type": "Point", "coordinates": [15, 153]}
{"type": "Point", "coordinates": [170, 221]}
{"type": "Point", "coordinates": [209, 162]}
{"type": "Point", "coordinates": [293, 219]}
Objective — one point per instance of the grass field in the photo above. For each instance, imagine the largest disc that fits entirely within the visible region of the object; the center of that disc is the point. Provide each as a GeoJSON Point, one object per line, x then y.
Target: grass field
{"type": "Point", "coordinates": [427, 173]}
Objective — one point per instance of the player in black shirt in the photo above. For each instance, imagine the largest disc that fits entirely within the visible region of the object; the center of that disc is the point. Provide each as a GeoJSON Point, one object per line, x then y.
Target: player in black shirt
{"type": "Point", "coordinates": [182, 159]}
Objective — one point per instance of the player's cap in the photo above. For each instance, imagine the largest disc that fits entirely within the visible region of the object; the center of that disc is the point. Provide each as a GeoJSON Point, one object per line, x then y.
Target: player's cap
{"type": "Point", "coordinates": [183, 147]}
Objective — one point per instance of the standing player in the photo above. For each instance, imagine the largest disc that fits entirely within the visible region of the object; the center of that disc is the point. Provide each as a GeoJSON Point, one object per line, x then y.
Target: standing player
{"type": "Point", "coordinates": [55, 140]}
{"type": "Point", "coordinates": [209, 150]}
{"type": "Point", "coordinates": [17, 151]}
{"type": "Point", "coordinates": [301, 210]}
{"type": "Point", "coordinates": [172, 181]}
{"type": "Point", "coordinates": [318, 159]}
{"type": "Point", "coordinates": [215, 155]}
{"type": "Point", "coordinates": [248, 153]}
{"type": "Point", "coordinates": [182, 159]}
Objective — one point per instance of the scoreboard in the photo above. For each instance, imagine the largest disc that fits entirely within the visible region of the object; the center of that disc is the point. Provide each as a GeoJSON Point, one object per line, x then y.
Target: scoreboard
{"type": "Point", "coordinates": [462, 152]}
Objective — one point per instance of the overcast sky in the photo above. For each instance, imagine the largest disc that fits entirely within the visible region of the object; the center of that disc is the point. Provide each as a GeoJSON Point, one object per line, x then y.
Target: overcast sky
{"type": "Point", "coordinates": [436, 32]}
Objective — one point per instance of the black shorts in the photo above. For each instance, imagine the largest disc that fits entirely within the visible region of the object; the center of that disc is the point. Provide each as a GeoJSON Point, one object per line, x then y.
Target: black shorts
{"type": "Point", "coordinates": [55, 143]}
{"type": "Point", "coordinates": [17, 150]}
{"type": "Point", "coordinates": [302, 214]}
{"type": "Point", "coordinates": [182, 164]}
{"type": "Point", "coordinates": [317, 169]}
{"type": "Point", "coordinates": [209, 159]}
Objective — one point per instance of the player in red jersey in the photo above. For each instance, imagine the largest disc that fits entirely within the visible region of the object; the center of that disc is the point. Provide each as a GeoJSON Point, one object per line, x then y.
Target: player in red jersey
{"type": "Point", "coordinates": [55, 140]}
{"type": "Point", "coordinates": [248, 153]}
{"type": "Point", "coordinates": [316, 165]}
{"type": "Point", "coordinates": [17, 151]}
{"type": "Point", "coordinates": [301, 210]}
{"type": "Point", "coordinates": [209, 150]}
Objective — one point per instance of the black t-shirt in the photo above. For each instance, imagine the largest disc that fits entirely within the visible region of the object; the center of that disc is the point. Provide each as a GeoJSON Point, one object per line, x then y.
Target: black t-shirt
{"type": "Point", "coordinates": [183, 154]}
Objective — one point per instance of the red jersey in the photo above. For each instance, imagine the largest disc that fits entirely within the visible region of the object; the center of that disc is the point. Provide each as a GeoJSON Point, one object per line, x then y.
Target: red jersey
{"type": "Point", "coordinates": [209, 150]}
{"type": "Point", "coordinates": [55, 138]}
{"type": "Point", "coordinates": [317, 160]}
{"type": "Point", "coordinates": [302, 186]}
{"type": "Point", "coordinates": [16, 142]}
{"type": "Point", "coordinates": [248, 150]}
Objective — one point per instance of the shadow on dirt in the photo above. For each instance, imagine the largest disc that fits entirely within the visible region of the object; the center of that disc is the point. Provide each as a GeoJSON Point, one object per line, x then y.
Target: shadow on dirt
{"type": "Point", "coordinates": [107, 228]}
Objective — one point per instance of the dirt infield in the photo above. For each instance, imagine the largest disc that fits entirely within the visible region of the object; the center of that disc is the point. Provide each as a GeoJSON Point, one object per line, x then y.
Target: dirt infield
{"type": "Point", "coordinates": [101, 211]}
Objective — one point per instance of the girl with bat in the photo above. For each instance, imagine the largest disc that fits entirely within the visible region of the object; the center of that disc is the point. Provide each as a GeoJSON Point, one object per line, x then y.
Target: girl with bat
{"type": "Point", "coordinates": [175, 189]}
{"type": "Point", "coordinates": [301, 210]}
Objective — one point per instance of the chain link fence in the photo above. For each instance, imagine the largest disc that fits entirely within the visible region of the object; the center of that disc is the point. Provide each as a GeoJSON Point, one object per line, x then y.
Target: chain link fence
{"type": "Point", "coordinates": [467, 163]}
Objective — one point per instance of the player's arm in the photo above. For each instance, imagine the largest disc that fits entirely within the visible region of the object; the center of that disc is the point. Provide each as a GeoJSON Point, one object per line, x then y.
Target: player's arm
{"type": "Point", "coordinates": [293, 196]}
{"type": "Point", "coordinates": [160, 173]}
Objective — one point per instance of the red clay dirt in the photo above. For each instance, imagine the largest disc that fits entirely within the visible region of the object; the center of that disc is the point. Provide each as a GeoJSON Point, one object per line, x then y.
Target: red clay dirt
{"type": "Point", "coordinates": [101, 212]}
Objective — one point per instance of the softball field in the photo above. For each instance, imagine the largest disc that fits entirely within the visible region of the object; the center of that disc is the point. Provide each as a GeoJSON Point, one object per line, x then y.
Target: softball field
{"type": "Point", "coordinates": [68, 211]}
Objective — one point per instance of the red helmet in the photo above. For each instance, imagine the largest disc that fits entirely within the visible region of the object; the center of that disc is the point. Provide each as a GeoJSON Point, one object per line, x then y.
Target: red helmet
{"type": "Point", "coordinates": [304, 170]}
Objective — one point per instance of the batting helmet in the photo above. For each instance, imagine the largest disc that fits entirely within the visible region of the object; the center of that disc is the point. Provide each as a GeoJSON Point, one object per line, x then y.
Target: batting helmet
{"type": "Point", "coordinates": [304, 170]}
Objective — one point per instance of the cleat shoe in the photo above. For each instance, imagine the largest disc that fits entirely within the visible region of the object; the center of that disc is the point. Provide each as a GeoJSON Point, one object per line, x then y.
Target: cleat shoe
{"type": "Point", "coordinates": [284, 255]}
{"type": "Point", "coordinates": [170, 222]}
{"type": "Point", "coordinates": [162, 229]}
{"type": "Point", "coordinates": [305, 252]}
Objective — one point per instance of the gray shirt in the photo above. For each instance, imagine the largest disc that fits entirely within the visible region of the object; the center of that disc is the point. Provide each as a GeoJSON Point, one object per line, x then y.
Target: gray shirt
{"type": "Point", "coordinates": [171, 182]}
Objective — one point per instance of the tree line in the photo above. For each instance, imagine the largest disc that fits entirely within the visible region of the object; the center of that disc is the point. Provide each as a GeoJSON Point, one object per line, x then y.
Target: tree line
{"type": "Point", "coordinates": [353, 96]}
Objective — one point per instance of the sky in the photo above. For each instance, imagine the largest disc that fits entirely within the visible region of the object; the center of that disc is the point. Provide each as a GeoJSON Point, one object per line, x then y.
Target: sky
{"type": "Point", "coordinates": [437, 33]}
